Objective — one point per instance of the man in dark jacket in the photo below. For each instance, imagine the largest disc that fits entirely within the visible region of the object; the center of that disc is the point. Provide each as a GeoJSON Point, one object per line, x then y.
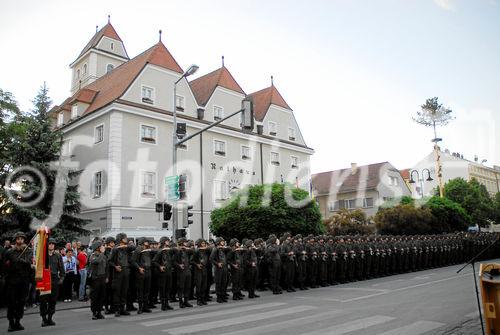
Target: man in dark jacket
{"type": "Point", "coordinates": [199, 262]}
{"type": "Point", "coordinates": [18, 267]}
{"type": "Point", "coordinates": [163, 261]}
{"type": "Point", "coordinates": [141, 263]}
{"type": "Point", "coordinates": [108, 297]}
{"type": "Point", "coordinates": [250, 268]}
{"type": "Point", "coordinates": [120, 262]}
{"type": "Point", "coordinates": [218, 260]}
{"type": "Point", "coordinates": [98, 271]}
{"type": "Point", "coordinates": [57, 273]}
{"type": "Point", "coordinates": [182, 264]}
{"type": "Point", "coordinates": [235, 261]}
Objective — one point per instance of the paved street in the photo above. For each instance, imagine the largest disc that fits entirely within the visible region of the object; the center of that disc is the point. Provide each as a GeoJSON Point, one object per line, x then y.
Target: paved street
{"type": "Point", "coordinates": [426, 302]}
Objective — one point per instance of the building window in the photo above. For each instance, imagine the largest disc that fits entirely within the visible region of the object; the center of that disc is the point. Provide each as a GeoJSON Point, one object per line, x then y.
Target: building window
{"type": "Point", "coordinates": [60, 119]}
{"type": "Point", "coordinates": [147, 95]}
{"type": "Point", "coordinates": [367, 202]}
{"type": "Point", "coordinates": [148, 185]}
{"type": "Point", "coordinates": [393, 181]}
{"type": "Point", "coordinates": [291, 134]}
{"type": "Point", "coordinates": [84, 69]}
{"type": "Point", "coordinates": [275, 158]}
{"type": "Point", "coordinates": [74, 111]}
{"type": "Point", "coordinates": [112, 46]}
{"type": "Point", "coordinates": [78, 73]}
{"type": "Point", "coordinates": [218, 113]}
{"type": "Point", "coordinates": [350, 203]}
{"type": "Point", "coordinates": [220, 190]}
{"type": "Point", "coordinates": [97, 184]}
{"type": "Point", "coordinates": [179, 102]}
{"type": "Point", "coordinates": [333, 206]}
{"type": "Point", "coordinates": [272, 128]}
{"type": "Point", "coordinates": [99, 134]}
{"type": "Point", "coordinates": [245, 152]}
{"type": "Point", "coordinates": [148, 134]}
{"type": "Point", "coordinates": [219, 148]}
{"type": "Point", "coordinates": [295, 162]}
{"type": "Point", "coordinates": [109, 68]}
{"type": "Point", "coordinates": [66, 148]}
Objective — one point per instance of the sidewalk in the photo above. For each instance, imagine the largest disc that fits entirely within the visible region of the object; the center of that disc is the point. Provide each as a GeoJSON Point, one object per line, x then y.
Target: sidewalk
{"type": "Point", "coordinates": [60, 306]}
{"type": "Point", "coordinates": [470, 326]}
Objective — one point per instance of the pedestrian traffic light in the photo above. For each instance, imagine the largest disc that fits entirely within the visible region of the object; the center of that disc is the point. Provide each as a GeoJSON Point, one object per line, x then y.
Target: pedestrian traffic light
{"type": "Point", "coordinates": [181, 130]}
{"type": "Point", "coordinates": [159, 207]}
{"type": "Point", "coordinates": [247, 115]}
{"type": "Point", "coordinates": [186, 215]}
{"type": "Point", "coordinates": [180, 233]}
{"type": "Point", "coordinates": [182, 186]}
{"type": "Point", "coordinates": [167, 211]}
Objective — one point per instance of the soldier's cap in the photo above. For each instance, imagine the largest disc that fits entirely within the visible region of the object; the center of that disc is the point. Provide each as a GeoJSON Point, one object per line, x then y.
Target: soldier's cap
{"type": "Point", "coordinates": [141, 240]}
{"type": "Point", "coordinates": [272, 237]}
{"type": "Point", "coordinates": [218, 240]}
{"type": "Point", "coordinates": [96, 245]}
{"type": "Point", "coordinates": [52, 241]}
{"type": "Point", "coordinates": [151, 241]}
{"type": "Point", "coordinates": [19, 234]}
{"type": "Point", "coordinates": [248, 243]}
{"type": "Point", "coordinates": [199, 241]}
{"type": "Point", "coordinates": [258, 241]}
{"type": "Point", "coordinates": [244, 241]}
{"type": "Point", "coordinates": [121, 236]}
{"type": "Point", "coordinates": [110, 239]}
{"type": "Point", "coordinates": [164, 239]}
{"type": "Point", "coordinates": [298, 236]}
{"type": "Point", "coordinates": [181, 241]}
{"type": "Point", "coordinates": [233, 242]}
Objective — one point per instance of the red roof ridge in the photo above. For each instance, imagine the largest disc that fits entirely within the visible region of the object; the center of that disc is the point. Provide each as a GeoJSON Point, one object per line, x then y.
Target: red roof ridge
{"type": "Point", "coordinates": [204, 86]}
{"type": "Point", "coordinates": [109, 31]}
{"type": "Point", "coordinates": [266, 97]}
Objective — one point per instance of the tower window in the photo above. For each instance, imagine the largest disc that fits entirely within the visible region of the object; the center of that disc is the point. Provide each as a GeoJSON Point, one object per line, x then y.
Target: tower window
{"type": "Point", "coordinates": [84, 69]}
{"type": "Point", "coordinates": [109, 68]}
{"type": "Point", "coordinates": [78, 73]}
{"type": "Point", "coordinates": [112, 46]}
{"type": "Point", "coordinates": [60, 119]}
{"type": "Point", "coordinates": [147, 95]}
{"type": "Point", "coordinates": [74, 111]}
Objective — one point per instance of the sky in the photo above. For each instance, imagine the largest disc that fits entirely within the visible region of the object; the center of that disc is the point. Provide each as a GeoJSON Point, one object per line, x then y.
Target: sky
{"type": "Point", "coordinates": [353, 71]}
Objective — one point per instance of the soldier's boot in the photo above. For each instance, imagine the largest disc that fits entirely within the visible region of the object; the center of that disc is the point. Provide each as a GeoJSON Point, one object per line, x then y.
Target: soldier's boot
{"type": "Point", "coordinates": [145, 308]}
{"type": "Point", "coordinates": [186, 303]}
{"type": "Point", "coordinates": [18, 325]}
{"type": "Point", "coordinates": [219, 299]}
{"type": "Point", "coordinates": [94, 316]}
{"type": "Point", "coordinates": [131, 307]}
{"type": "Point", "coordinates": [117, 313]}
{"type": "Point", "coordinates": [140, 309]}
{"type": "Point", "coordinates": [199, 302]}
{"type": "Point", "coordinates": [12, 326]}
{"type": "Point", "coordinates": [241, 295]}
{"type": "Point", "coordinates": [123, 311]}
{"type": "Point", "coordinates": [50, 321]}
{"type": "Point", "coordinates": [100, 316]}
{"type": "Point", "coordinates": [181, 303]}
{"type": "Point", "coordinates": [236, 297]}
{"type": "Point", "coordinates": [164, 304]}
{"type": "Point", "coordinates": [169, 308]}
{"type": "Point", "coordinates": [45, 323]}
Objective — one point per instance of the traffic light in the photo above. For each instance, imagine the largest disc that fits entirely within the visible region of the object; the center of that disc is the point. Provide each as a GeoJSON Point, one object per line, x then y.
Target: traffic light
{"type": "Point", "coordinates": [182, 186]}
{"type": "Point", "coordinates": [159, 207]}
{"type": "Point", "coordinates": [167, 211]}
{"type": "Point", "coordinates": [247, 115]}
{"type": "Point", "coordinates": [180, 233]}
{"type": "Point", "coordinates": [186, 215]}
{"type": "Point", "coordinates": [181, 130]}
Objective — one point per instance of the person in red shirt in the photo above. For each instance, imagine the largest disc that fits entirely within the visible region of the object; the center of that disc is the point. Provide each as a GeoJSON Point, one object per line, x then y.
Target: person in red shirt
{"type": "Point", "coordinates": [82, 271]}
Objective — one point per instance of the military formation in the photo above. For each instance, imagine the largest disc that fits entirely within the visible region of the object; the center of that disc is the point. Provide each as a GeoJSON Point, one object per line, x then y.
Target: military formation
{"type": "Point", "coordinates": [123, 273]}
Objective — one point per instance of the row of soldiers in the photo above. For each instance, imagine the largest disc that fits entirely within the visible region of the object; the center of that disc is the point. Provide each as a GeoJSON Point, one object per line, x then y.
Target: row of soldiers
{"type": "Point", "coordinates": [122, 273]}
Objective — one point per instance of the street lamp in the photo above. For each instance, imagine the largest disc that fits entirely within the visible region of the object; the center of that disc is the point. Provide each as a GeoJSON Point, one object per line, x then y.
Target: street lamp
{"type": "Point", "coordinates": [421, 180]}
{"type": "Point", "coordinates": [191, 70]}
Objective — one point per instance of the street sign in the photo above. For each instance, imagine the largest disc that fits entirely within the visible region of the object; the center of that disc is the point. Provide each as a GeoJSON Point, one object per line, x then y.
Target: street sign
{"type": "Point", "coordinates": [172, 188]}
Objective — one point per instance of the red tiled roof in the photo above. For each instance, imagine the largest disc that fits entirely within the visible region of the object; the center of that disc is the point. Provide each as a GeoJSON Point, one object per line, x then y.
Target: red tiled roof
{"type": "Point", "coordinates": [204, 86]}
{"type": "Point", "coordinates": [263, 99]}
{"type": "Point", "coordinates": [405, 174]}
{"type": "Point", "coordinates": [114, 84]}
{"type": "Point", "coordinates": [329, 182]}
{"type": "Point", "coordinates": [108, 31]}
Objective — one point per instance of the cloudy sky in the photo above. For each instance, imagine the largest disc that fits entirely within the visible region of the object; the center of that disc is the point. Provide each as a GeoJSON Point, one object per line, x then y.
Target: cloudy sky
{"type": "Point", "coordinates": [353, 71]}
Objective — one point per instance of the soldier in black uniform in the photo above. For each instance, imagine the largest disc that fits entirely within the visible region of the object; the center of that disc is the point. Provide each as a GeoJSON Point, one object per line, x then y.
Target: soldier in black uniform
{"type": "Point", "coordinates": [235, 262]}
{"type": "Point", "coordinates": [57, 273]}
{"type": "Point", "coordinates": [250, 268]}
{"type": "Point", "coordinates": [163, 262]}
{"type": "Point", "coordinates": [141, 264]}
{"type": "Point", "coordinates": [274, 264]}
{"type": "Point", "coordinates": [99, 274]}
{"type": "Point", "coordinates": [288, 264]}
{"type": "Point", "coordinates": [218, 261]}
{"type": "Point", "coordinates": [108, 296]}
{"type": "Point", "coordinates": [312, 262]}
{"type": "Point", "coordinates": [182, 263]}
{"type": "Point", "coordinates": [120, 262]}
{"type": "Point", "coordinates": [262, 275]}
{"type": "Point", "coordinates": [301, 257]}
{"type": "Point", "coordinates": [153, 292]}
{"type": "Point", "coordinates": [199, 262]}
{"type": "Point", "coordinates": [18, 265]}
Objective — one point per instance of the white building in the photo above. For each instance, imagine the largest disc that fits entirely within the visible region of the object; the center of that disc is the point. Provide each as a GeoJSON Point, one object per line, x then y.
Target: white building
{"type": "Point", "coordinates": [117, 125]}
{"type": "Point", "coordinates": [453, 166]}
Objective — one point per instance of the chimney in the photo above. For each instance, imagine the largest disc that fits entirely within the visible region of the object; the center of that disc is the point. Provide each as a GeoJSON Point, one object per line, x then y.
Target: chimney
{"type": "Point", "coordinates": [354, 168]}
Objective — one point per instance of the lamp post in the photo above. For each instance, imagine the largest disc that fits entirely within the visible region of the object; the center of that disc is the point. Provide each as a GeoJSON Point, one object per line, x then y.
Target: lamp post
{"type": "Point", "coordinates": [421, 180]}
{"type": "Point", "coordinates": [191, 70]}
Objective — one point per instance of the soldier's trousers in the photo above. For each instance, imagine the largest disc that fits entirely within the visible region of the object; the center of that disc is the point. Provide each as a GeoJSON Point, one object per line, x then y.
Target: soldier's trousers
{"type": "Point", "coordinates": [143, 285]}
{"type": "Point", "coordinates": [164, 284]}
{"type": "Point", "coordinates": [97, 293]}
{"type": "Point", "coordinates": [330, 270]}
{"type": "Point", "coordinates": [235, 280]}
{"type": "Point", "coordinates": [263, 275]}
{"type": "Point", "coordinates": [153, 292]}
{"type": "Point", "coordinates": [200, 282]}
{"type": "Point", "coordinates": [184, 283]}
{"type": "Point", "coordinates": [289, 273]}
{"type": "Point", "coordinates": [210, 280]}
{"type": "Point", "coordinates": [301, 273]}
{"type": "Point", "coordinates": [220, 281]}
{"type": "Point", "coordinates": [274, 275]}
{"type": "Point", "coordinates": [16, 298]}
{"type": "Point", "coordinates": [48, 301]}
{"type": "Point", "coordinates": [322, 272]}
{"type": "Point", "coordinates": [120, 288]}
{"type": "Point", "coordinates": [108, 294]}
{"type": "Point", "coordinates": [312, 272]}
{"type": "Point", "coordinates": [251, 280]}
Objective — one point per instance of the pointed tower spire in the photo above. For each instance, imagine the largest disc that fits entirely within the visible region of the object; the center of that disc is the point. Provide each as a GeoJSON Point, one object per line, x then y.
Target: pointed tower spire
{"type": "Point", "coordinates": [222, 60]}
{"type": "Point", "coordinates": [96, 28]}
{"type": "Point", "coordinates": [159, 35]}
{"type": "Point", "coordinates": [109, 18]}
{"type": "Point", "coordinates": [272, 80]}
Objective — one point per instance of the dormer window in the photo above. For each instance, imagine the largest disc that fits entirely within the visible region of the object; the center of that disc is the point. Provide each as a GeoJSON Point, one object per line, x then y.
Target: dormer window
{"type": "Point", "coordinates": [147, 95]}
{"type": "Point", "coordinates": [218, 113]}
{"type": "Point", "coordinates": [148, 134]}
{"type": "Point", "coordinates": [291, 134]}
{"type": "Point", "coordinates": [112, 46]}
{"type": "Point", "coordinates": [60, 119]}
{"type": "Point", "coordinates": [74, 111]}
{"type": "Point", "coordinates": [273, 129]}
{"type": "Point", "coordinates": [275, 158]}
{"type": "Point", "coordinates": [295, 162]}
{"type": "Point", "coordinates": [179, 102]}
{"type": "Point", "coordinates": [109, 68]}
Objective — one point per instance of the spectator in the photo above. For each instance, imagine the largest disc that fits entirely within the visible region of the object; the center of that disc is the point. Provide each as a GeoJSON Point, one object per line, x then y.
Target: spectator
{"type": "Point", "coordinates": [82, 271]}
{"type": "Point", "coordinates": [71, 272]}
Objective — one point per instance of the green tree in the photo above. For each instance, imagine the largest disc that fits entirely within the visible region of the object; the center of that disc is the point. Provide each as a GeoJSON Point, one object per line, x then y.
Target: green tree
{"type": "Point", "coordinates": [346, 222]}
{"type": "Point", "coordinates": [37, 147]}
{"type": "Point", "coordinates": [496, 208]}
{"type": "Point", "coordinates": [260, 210]}
{"type": "Point", "coordinates": [473, 197]}
{"type": "Point", "coordinates": [404, 220]}
{"type": "Point", "coordinates": [448, 216]}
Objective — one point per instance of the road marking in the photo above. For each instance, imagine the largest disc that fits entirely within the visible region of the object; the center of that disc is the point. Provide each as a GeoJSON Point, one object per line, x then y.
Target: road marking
{"type": "Point", "coordinates": [322, 299]}
{"type": "Point", "coordinates": [354, 325]}
{"type": "Point", "coordinates": [363, 289]}
{"type": "Point", "coordinates": [285, 324]}
{"type": "Point", "coordinates": [417, 328]}
{"type": "Point", "coordinates": [388, 282]}
{"type": "Point", "coordinates": [421, 277]}
{"type": "Point", "coordinates": [235, 321]}
{"type": "Point", "coordinates": [191, 317]}
{"type": "Point", "coordinates": [407, 287]}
